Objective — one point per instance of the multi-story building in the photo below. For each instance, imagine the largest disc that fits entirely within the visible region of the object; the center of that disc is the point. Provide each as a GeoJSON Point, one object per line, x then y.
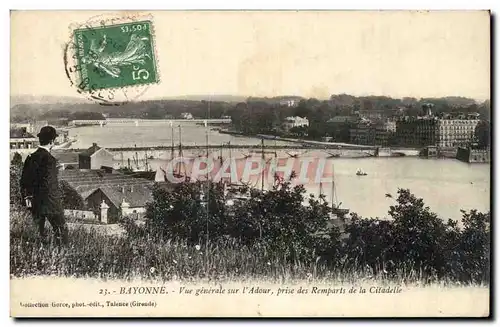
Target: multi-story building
{"type": "Point", "coordinates": [339, 127]}
{"type": "Point", "coordinates": [369, 133]}
{"type": "Point", "coordinates": [362, 133]}
{"type": "Point", "coordinates": [416, 131]}
{"type": "Point", "coordinates": [291, 122]}
{"type": "Point", "coordinates": [445, 132]}
{"type": "Point", "coordinates": [452, 133]}
{"type": "Point", "coordinates": [21, 139]}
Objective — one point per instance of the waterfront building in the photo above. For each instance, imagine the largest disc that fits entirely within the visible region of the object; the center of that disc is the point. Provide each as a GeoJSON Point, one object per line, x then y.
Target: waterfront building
{"type": "Point", "coordinates": [95, 157]}
{"type": "Point", "coordinates": [447, 131]}
{"type": "Point", "coordinates": [416, 131]}
{"type": "Point", "coordinates": [470, 155]}
{"type": "Point", "coordinates": [384, 132]}
{"type": "Point", "coordinates": [363, 133]}
{"type": "Point", "coordinates": [452, 133]}
{"type": "Point", "coordinates": [338, 127]}
{"type": "Point", "coordinates": [291, 122]}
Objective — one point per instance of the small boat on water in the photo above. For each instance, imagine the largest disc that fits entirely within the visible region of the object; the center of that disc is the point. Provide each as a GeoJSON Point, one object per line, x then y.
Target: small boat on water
{"type": "Point", "coordinates": [359, 172]}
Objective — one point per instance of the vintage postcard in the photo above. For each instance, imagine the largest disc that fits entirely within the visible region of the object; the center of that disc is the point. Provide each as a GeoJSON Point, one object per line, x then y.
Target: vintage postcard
{"type": "Point", "coordinates": [250, 164]}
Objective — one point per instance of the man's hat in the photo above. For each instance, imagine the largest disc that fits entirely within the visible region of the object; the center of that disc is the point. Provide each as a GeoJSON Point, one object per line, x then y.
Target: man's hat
{"type": "Point", "coordinates": [47, 133]}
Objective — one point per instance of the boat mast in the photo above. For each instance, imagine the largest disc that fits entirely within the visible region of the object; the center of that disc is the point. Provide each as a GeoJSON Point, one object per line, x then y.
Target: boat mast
{"type": "Point", "coordinates": [180, 150]}
{"type": "Point", "coordinates": [333, 187]}
{"type": "Point", "coordinates": [230, 163]}
{"type": "Point", "coordinates": [136, 158]}
{"type": "Point", "coordinates": [173, 146]}
{"type": "Point", "coordinates": [206, 142]}
{"type": "Point", "coordinates": [264, 162]}
{"type": "Point", "coordinates": [275, 160]}
{"type": "Point", "coordinates": [208, 183]}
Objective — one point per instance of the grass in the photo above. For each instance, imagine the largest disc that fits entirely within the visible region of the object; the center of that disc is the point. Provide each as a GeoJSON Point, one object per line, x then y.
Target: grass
{"type": "Point", "coordinates": [93, 254]}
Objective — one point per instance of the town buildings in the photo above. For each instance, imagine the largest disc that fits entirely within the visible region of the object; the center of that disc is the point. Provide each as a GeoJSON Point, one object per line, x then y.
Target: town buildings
{"type": "Point", "coordinates": [289, 102]}
{"type": "Point", "coordinates": [291, 122]}
{"type": "Point", "coordinates": [186, 115]}
{"type": "Point", "coordinates": [470, 155]}
{"type": "Point", "coordinates": [21, 139]}
{"type": "Point", "coordinates": [366, 132]}
{"type": "Point", "coordinates": [456, 131]}
{"type": "Point", "coordinates": [95, 157]}
{"type": "Point", "coordinates": [362, 133]}
{"type": "Point", "coordinates": [122, 194]}
{"type": "Point", "coordinates": [121, 200]}
{"type": "Point", "coordinates": [449, 131]}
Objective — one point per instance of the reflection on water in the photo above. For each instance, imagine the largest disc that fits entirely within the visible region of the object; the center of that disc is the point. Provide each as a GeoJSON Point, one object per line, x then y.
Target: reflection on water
{"type": "Point", "coordinates": [445, 185]}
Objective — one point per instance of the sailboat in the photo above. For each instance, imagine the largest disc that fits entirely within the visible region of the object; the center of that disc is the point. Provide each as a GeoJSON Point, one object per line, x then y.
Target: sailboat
{"type": "Point", "coordinates": [337, 211]}
{"type": "Point", "coordinates": [179, 171]}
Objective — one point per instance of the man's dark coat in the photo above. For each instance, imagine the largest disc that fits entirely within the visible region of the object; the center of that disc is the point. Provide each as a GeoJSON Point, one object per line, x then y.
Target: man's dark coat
{"type": "Point", "coordinates": [39, 180]}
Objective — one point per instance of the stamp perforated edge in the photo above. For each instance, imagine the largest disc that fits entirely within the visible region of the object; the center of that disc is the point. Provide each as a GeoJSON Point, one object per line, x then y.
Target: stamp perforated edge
{"type": "Point", "coordinates": [104, 21]}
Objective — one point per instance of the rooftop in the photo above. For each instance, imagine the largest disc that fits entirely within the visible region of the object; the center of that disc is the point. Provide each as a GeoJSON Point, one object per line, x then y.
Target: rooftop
{"type": "Point", "coordinates": [90, 151]}
{"type": "Point", "coordinates": [87, 181]}
{"type": "Point", "coordinates": [135, 196]}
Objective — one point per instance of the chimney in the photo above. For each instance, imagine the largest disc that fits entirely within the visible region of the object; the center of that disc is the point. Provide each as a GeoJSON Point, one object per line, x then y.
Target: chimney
{"type": "Point", "coordinates": [131, 188]}
{"type": "Point", "coordinates": [94, 145]}
{"type": "Point", "coordinates": [123, 189]}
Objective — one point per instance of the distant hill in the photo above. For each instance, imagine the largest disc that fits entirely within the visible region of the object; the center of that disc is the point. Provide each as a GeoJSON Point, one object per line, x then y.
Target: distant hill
{"type": "Point", "coordinates": [215, 97]}
{"type": "Point", "coordinates": [26, 107]}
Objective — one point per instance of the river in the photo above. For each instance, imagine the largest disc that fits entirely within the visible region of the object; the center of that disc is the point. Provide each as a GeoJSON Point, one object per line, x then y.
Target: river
{"type": "Point", "coordinates": [446, 185]}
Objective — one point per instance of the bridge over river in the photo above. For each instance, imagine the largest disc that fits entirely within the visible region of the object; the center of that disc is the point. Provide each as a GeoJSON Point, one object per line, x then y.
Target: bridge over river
{"type": "Point", "coordinates": [138, 122]}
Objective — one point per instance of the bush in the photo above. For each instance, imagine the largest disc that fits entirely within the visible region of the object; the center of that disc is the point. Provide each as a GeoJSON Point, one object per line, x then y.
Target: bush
{"type": "Point", "coordinates": [473, 250]}
{"type": "Point", "coordinates": [416, 239]}
{"type": "Point", "coordinates": [278, 220]}
{"type": "Point", "coordinates": [181, 213]}
{"type": "Point", "coordinates": [71, 199]}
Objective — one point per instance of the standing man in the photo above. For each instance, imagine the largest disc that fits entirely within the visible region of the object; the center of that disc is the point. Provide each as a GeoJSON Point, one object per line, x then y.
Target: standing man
{"type": "Point", "coordinates": [40, 187]}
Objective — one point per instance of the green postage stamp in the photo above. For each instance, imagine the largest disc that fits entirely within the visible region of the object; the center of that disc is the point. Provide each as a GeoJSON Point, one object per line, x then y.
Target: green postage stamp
{"type": "Point", "coordinates": [115, 56]}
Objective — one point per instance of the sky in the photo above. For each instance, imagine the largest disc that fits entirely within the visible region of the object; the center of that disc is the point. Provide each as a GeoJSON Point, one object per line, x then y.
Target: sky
{"type": "Point", "coordinates": [310, 54]}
